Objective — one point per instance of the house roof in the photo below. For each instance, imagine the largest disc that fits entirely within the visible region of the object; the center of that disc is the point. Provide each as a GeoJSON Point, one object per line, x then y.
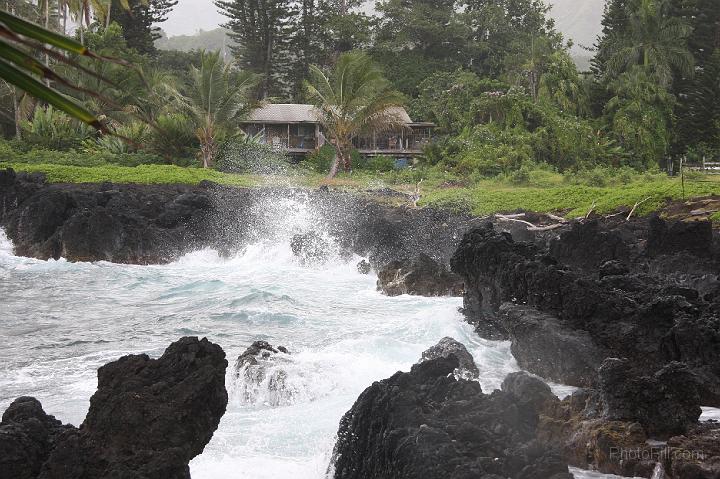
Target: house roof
{"type": "Point", "coordinates": [283, 113]}
{"type": "Point", "coordinates": [295, 113]}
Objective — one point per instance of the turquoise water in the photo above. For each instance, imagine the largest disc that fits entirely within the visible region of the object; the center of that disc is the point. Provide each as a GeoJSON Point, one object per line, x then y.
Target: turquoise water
{"type": "Point", "coordinates": [61, 321]}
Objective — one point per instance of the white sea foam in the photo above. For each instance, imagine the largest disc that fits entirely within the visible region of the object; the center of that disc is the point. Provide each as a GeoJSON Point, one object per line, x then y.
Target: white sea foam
{"type": "Point", "coordinates": [61, 321]}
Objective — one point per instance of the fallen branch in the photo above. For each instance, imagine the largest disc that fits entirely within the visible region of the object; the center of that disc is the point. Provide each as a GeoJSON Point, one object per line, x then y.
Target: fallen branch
{"type": "Point", "coordinates": [556, 218]}
{"type": "Point", "coordinates": [531, 227]}
{"type": "Point", "coordinates": [636, 207]}
{"type": "Point", "coordinates": [592, 208]}
{"type": "Point", "coordinates": [417, 195]}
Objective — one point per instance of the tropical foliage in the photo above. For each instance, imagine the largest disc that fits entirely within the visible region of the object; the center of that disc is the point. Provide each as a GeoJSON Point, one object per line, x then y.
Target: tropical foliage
{"type": "Point", "coordinates": [218, 97]}
{"type": "Point", "coordinates": [494, 75]}
{"type": "Point", "coordinates": [354, 99]}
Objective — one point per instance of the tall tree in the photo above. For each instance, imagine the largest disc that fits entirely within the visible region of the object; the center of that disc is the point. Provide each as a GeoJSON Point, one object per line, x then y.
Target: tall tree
{"type": "Point", "coordinates": [641, 116]}
{"type": "Point", "coordinates": [261, 31]}
{"type": "Point", "coordinates": [354, 99]}
{"type": "Point", "coordinates": [697, 119]}
{"type": "Point", "coordinates": [320, 32]}
{"type": "Point", "coordinates": [415, 39]}
{"type": "Point", "coordinates": [139, 24]}
{"type": "Point", "coordinates": [654, 40]}
{"type": "Point", "coordinates": [509, 33]}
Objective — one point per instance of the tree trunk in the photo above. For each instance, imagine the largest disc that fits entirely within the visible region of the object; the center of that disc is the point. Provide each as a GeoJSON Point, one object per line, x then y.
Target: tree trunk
{"type": "Point", "coordinates": [107, 17]}
{"type": "Point", "coordinates": [208, 147]}
{"type": "Point", "coordinates": [16, 111]}
{"type": "Point", "coordinates": [335, 164]}
{"type": "Point", "coordinates": [47, 26]}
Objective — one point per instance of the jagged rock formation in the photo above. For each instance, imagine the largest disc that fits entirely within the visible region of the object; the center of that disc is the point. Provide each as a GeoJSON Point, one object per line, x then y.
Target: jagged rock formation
{"type": "Point", "coordinates": [147, 420]}
{"type": "Point", "coordinates": [449, 346]}
{"type": "Point", "coordinates": [583, 428]}
{"type": "Point", "coordinates": [639, 306]}
{"type": "Point", "coordinates": [544, 345]}
{"type": "Point", "coordinates": [120, 223]}
{"type": "Point", "coordinates": [421, 276]}
{"type": "Point", "coordinates": [664, 403]}
{"type": "Point", "coordinates": [429, 424]}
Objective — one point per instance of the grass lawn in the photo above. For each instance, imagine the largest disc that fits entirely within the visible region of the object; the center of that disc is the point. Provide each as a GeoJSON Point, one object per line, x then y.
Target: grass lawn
{"type": "Point", "coordinates": [143, 174]}
{"type": "Point", "coordinates": [485, 197]}
{"type": "Point", "coordinates": [571, 200]}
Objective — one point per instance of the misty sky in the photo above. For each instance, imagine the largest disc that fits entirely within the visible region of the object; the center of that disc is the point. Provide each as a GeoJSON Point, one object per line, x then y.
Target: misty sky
{"type": "Point", "coordinates": [189, 16]}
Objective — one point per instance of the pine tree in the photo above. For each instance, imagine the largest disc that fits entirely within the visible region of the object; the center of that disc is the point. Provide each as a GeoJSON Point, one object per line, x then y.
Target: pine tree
{"type": "Point", "coordinates": [138, 24]}
{"type": "Point", "coordinates": [697, 115]}
{"type": "Point", "coordinates": [615, 24]}
{"type": "Point", "coordinates": [319, 33]}
{"type": "Point", "coordinates": [700, 112]}
{"type": "Point", "coordinates": [262, 32]}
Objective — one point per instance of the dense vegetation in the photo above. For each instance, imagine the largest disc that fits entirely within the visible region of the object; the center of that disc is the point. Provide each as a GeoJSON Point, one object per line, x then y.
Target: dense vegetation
{"type": "Point", "coordinates": [494, 75]}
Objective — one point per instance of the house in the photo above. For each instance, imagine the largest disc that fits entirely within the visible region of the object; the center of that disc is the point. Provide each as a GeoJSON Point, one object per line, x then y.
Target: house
{"type": "Point", "coordinates": [297, 130]}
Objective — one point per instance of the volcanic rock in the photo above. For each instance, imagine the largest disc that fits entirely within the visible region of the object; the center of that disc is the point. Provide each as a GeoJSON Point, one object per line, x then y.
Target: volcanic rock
{"type": "Point", "coordinates": [428, 424]}
{"type": "Point", "coordinates": [651, 319]}
{"type": "Point", "coordinates": [421, 276]}
{"type": "Point", "coordinates": [588, 245]}
{"type": "Point", "coordinates": [150, 224]}
{"type": "Point", "coordinates": [544, 345]}
{"type": "Point", "coordinates": [665, 403]}
{"type": "Point", "coordinates": [261, 375]}
{"type": "Point", "coordinates": [695, 237]}
{"type": "Point", "coordinates": [695, 455]}
{"type": "Point", "coordinates": [528, 390]}
{"type": "Point", "coordinates": [27, 435]}
{"type": "Point", "coordinates": [148, 418]}
{"type": "Point", "coordinates": [447, 347]}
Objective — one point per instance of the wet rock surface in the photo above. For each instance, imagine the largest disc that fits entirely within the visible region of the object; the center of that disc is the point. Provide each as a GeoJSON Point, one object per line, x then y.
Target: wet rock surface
{"type": "Point", "coordinates": [261, 375]}
{"type": "Point", "coordinates": [429, 424]}
{"type": "Point", "coordinates": [311, 248]}
{"type": "Point", "coordinates": [147, 420]}
{"type": "Point", "coordinates": [544, 345]}
{"type": "Point", "coordinates": [450, 347]}
{"type": "Point", "coordinates": [421, 276]}
{"type": "Point", "coordinates": [633, 307]}
{"type": "Point", "coordinates": [589, 439]}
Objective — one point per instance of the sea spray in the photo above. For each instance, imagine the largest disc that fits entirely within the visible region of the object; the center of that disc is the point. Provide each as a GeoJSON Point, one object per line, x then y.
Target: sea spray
{"type": "Point", "coordinates": [61, 321]}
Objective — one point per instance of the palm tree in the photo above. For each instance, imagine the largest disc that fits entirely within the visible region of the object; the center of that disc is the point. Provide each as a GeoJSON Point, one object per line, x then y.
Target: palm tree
{"type": "Point", "coordinates": [354, 99]}
{"type": "Point", "coordinates": [654, 40]}
{"type": "Point", "coordinates": [219, 97]}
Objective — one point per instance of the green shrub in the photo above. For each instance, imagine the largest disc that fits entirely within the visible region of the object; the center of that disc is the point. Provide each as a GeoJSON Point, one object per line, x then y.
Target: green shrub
{"type": "Point", "coordinates": [520, 177]}
{"type": "Point", "coordinates": [174, 139]}
{"type": "Point", "coordinates": [380, 163]}
{"type": "Point", "coordinates": [320, 160]}
{"type": "Point", "coordinates": [75, 158]}
{"type": "Point", "coordinates": [52, 129]}
{"type": "Point", "coordinates": [244, 155]}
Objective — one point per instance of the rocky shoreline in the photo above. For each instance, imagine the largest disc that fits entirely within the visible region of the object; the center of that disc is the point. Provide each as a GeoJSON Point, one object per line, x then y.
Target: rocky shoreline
{"type": "Point", "coordinates": [626, 311]}
{"type": "Point", "coordinates": [156, 224]}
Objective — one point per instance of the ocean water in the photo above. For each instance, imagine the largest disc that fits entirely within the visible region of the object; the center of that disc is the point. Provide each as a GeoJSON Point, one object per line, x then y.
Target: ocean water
{"type": "Point", "coordinates": [60, 321]}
